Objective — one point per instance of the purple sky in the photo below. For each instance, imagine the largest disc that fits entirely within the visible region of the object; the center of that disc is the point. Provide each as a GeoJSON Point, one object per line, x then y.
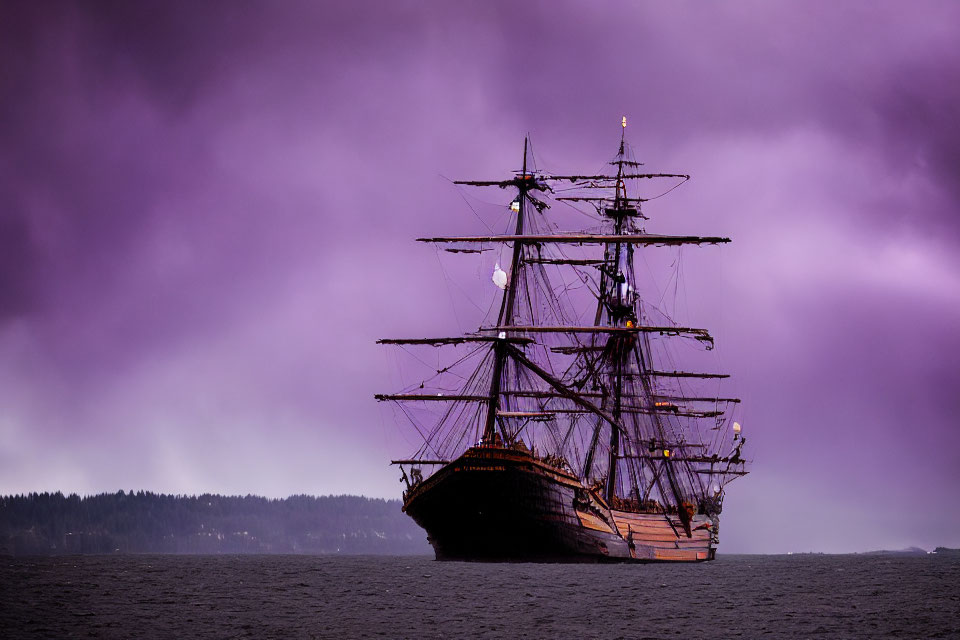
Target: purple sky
{"type": "Point", "coordinates": [186, 304]}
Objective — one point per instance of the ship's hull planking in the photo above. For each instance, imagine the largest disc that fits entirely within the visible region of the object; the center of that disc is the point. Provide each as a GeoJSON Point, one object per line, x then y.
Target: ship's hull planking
{"type": "Point", "coordinates": [497, 504]}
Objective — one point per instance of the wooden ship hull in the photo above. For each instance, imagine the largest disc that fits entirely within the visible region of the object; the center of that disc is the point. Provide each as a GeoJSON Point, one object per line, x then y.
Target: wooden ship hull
{"type": "Point", "coordinates": [503, 504]}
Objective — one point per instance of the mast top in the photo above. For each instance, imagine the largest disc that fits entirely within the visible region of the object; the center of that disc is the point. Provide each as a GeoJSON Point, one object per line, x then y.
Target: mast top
{"type": "Point", "coordinates": [526, 140]}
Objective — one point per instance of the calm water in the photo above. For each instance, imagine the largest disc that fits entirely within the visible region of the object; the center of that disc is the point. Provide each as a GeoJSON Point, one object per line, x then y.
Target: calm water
{"type": "Point", "coordinates": [415, 597]}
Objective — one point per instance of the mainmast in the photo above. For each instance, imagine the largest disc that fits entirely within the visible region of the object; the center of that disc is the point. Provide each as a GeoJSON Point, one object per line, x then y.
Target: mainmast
{"type": "Point", "coordinates": [506, 309]}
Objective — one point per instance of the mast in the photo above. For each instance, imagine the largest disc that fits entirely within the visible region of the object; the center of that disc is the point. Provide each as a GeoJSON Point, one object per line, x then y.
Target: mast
{"type": "Point", "coordinates": [615, 320]}
{"type": "Point", "coordinates": [506, 311]}
{"type": "Point", "coordinates": [506, 306]}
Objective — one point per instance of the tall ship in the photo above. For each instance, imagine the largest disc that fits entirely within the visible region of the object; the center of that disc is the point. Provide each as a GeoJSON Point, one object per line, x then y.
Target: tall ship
{"type": "Point", "coordinates": [567, 427]}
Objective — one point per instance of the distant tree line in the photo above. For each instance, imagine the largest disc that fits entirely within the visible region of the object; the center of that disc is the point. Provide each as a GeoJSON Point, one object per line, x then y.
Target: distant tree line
{"type": "Point", "coordinates": [144, 522]}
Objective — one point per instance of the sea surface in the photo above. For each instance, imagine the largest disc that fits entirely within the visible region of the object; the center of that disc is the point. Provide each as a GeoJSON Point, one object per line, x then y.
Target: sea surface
{"type": "Point", "coordinates": [800, 596]}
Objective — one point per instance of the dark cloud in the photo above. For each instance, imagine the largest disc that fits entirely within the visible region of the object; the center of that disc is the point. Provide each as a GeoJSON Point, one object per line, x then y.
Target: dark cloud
{"type": "Point", "coordinates": [17, 264]}
{"type": "Point", "coordinates": [917, 116]}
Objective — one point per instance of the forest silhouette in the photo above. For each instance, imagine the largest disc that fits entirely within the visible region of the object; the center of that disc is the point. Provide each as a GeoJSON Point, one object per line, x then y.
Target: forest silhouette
{"type": "Point", "coordinates": [145, 522]}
